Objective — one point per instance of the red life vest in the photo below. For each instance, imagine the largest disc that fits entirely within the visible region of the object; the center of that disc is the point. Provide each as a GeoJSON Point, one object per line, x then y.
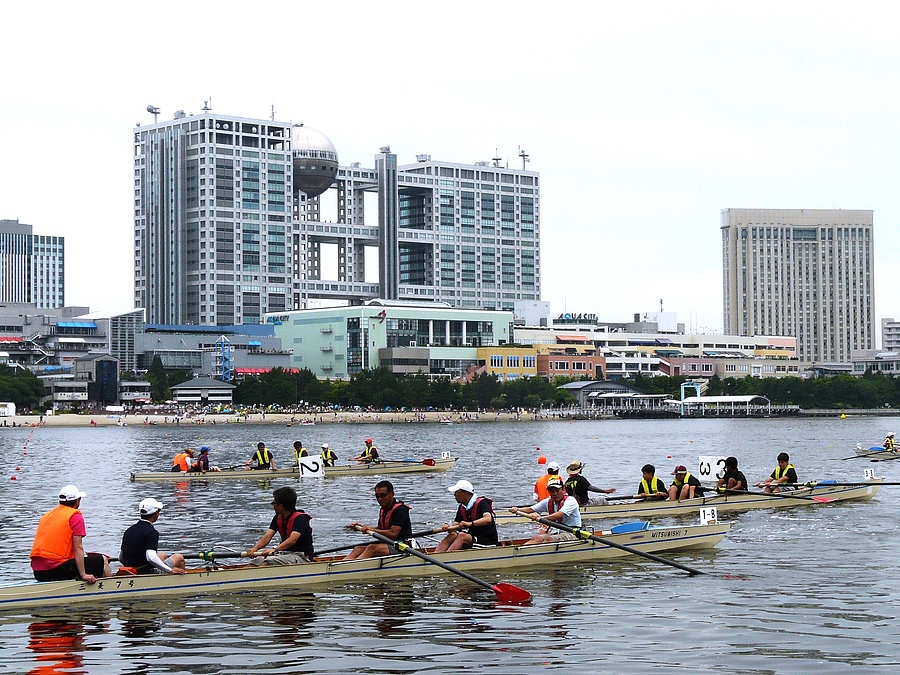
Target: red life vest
{"type": "Point", "coordinates": [384, 517]}
{"type": "Point", "coordinates": [285, 526]}
{"type": "Point", "coordinates": [462, 513]}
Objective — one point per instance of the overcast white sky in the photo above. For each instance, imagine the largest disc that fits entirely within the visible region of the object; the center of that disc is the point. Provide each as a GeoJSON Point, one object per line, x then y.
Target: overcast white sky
{"type": "Point", "coordinates": [645, 119]}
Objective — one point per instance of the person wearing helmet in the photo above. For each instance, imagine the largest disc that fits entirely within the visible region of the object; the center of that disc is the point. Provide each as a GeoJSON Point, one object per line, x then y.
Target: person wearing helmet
{"type": "Point", "coordinates": [58, 552]}
{"type": "Point", "coordinates": [140, 544]}
{"type": "Point", "coordinates": [328, 456]}
{"type": "Point", "coordinates": [369, 455]}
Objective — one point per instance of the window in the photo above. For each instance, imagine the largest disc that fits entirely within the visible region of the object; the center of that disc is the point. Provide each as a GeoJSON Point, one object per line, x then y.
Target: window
{"type": "Point", "coordinates": [496, 361]}
{"type": "Point", "coordinates": [512, 361]}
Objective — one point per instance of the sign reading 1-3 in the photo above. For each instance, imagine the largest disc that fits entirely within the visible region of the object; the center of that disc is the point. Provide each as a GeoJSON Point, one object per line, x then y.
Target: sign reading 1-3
{"type": "Point", "coordinates": [311, 467]}
{"type": "Point", "coordinates": [711, 468]}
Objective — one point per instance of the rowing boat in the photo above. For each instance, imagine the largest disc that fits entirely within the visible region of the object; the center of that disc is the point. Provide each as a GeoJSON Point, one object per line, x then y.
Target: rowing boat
{"type": "Point", "coordinates": [876, 452]}
{"type": "Point", "coordinates": [334, 571]}
{"type": "Point", "coordinates": [723, 502]}
{"type": "Point", "coordinates": [376, 469]}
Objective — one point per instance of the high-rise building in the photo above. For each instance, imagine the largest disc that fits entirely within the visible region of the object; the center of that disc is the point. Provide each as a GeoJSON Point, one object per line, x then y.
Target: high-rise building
{"type": "Point", "coordinates": [806, 273]}
{"type": "Point", "coordinates": [32, 266]}
{"type": "Point", "coordinates": [228, 224]}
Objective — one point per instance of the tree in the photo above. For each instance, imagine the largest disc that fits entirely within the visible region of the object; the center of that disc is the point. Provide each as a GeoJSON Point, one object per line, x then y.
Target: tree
{"type": "Point", "coordinates": [159, 381]}
{"type": "Point", "coordinates": [21, 387]}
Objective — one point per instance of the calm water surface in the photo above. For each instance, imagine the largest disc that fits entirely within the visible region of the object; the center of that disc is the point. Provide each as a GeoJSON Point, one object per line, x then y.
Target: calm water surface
{"type": "Point", "coordinates": [802, 590]}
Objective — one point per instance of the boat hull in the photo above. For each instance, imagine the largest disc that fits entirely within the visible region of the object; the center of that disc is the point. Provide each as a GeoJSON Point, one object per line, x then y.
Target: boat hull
{"type": "Point", "coordinates": [723, 502]}
{"type": "Point", "coordinates": [333, 571]}
{"type": "Point", "coordinates": [416, 466]}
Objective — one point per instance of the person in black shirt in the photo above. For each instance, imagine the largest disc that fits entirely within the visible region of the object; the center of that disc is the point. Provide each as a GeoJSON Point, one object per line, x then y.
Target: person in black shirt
{"type": "Point", "coordinates": [474, 520]}
{"type": "Point", "coordinates": [393, 523]}
{"type": "Point", "coordinates": [784, 476]}
{"type": "Point", "coordinates": [578, 486]}
{"type": "Point", "coordinates": [292, 524]}
{"type": "Point", "coordinates": [732, 478]}
{"type": "Point", "coordinates": [140, 544]}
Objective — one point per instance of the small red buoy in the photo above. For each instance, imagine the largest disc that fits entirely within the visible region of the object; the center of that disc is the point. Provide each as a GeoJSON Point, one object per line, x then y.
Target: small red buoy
{"type": "Point", "coordinates": [18, 469]}
{"type": "Point", "coordinates": [12, 477]}
{"type": "Point", "coordinates": [542, 460]}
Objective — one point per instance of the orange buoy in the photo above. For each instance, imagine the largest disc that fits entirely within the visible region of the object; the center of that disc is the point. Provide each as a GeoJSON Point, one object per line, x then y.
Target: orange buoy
{"type": "Point", "coordinates": [542, 460]}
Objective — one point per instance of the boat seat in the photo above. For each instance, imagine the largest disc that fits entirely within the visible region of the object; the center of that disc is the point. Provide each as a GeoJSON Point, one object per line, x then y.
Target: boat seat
{"type": "Point", "coordinates": [126, 572]}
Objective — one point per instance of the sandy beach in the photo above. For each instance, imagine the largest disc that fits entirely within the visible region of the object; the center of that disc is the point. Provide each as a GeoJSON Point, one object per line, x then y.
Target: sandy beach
{"type": "Point", "coordinates": [112, 419]}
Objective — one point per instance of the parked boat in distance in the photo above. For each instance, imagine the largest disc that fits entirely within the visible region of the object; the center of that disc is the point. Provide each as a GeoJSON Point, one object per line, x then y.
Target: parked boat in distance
{"type": "Point", "coordinates": [375, 469]}
{"type": "Point", "coordinates": [724, 503]}
{"type": "Point", "coordinates": [334, 571]}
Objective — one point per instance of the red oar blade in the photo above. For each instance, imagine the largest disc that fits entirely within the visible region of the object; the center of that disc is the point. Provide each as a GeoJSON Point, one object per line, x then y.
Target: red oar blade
{"type": "Point", "coordinates": [511, 594]}
{"type": "Point", "coordinates": [428, 462]}
{"type": "Point", "coordinates": [824, 500]}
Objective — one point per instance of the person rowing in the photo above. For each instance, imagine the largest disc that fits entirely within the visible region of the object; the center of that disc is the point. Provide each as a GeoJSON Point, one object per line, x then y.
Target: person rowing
{"type": "Point", "coordinates": [651, 487]}
{"type": "Point", "coordinates": [202, 464]}
{"type": "Point", "coordinates": [685, 485]}
{"type": "Point", "coordinates": [140, 553]}
{"type": "Point", "coordinates": [784, 473]}
{"type": "Point", "coordinates": [262, 457]}
{"type": "Point", "coordinates": [474, 520]}
{"type": "Point", "coordinates": [889, 443]}
{"type": "Point", "coordinates": [559, 507]}
{"type": "Point", "coordinates": [299, 451]}
{"type": "Point", "coordinates": [369, 455]}
{"type": "Point", "coordinates": [732, 479]}
{"type": "Point", "coordinates": [579, 487]}
{"type": "Point", "coordinates": [393, 523]}
{"type": "Point", "coordinates": [293, 525]}
{"type": "Point", "coordinates": [328, 456]}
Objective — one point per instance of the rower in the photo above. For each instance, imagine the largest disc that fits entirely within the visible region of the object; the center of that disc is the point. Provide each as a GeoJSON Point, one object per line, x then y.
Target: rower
{"type": "Point", "coordinates": [292, 524]}
{"type": "Point", "coordinates": [732, 478]}
{"type": "Point", "coordinates": [299, 451]}
{"type": "Point", "coordinates": [393, 523]}
{"type": "Point", "coordinates": [685, 486]}
{"type": "Point", "coordinates": [369, 455]}
{"type": "Point", "coordinates": [783, 473]}
{"type": "Point", "coordinates": [183, 460]}
{"type": "Point", "coordinates": [328, 456]}
{"type": "Point", "coordinates": [262, 457]}
{"type": "Point", "coordinates": [559, 507]}
{"type": "Point", "coordinates": [140, 553]}
{"type": "Point", "coordinates": [651, 487]}
{"type": "Point", "coordinates": [578, 486]}
{"type": "Point", "coordinates": [474, 520]}
{"type": "Point", "coordinates": [889, 443]}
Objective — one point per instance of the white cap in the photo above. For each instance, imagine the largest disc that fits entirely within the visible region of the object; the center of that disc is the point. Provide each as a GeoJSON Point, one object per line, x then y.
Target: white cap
{"type": "Point", "coordinates": [462, 485]}
{"type": "Point", "coordinates": [149, 506]}
{"type": "Point", "coordinates": [70, 493]}
{"type": "Point", "coordinates": [324, 445]}
{"type": "Point", "coordinates": [553, 465]}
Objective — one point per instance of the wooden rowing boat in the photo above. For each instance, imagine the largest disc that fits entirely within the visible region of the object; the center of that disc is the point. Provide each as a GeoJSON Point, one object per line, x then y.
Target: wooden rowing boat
{"type": "Point", "coordinates": [723, 502]}
{"type": "Point", "coordinates": [402, 466]}
{"type": "Point", "coordinates": [333, 571]}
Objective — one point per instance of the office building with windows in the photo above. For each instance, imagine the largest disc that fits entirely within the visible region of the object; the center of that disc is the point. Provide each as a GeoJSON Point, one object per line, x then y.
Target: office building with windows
{"type": "Point", "coordinates": [806, 273]}
{"type": "Point", "coordinates": [228, 224]}
{"type": "Point", "coordinates": [32, 266]}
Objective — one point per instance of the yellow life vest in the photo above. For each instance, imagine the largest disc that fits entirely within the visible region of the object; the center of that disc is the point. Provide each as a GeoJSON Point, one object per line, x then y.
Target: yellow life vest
{"type": "Point", "coordinates": [779, 473]}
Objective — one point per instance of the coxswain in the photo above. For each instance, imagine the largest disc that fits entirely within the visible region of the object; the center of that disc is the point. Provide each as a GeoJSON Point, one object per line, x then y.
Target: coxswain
{"type": "Point", "coordinates": [183, 461]}
{"type": "Point", "coordinates": [58, 552]}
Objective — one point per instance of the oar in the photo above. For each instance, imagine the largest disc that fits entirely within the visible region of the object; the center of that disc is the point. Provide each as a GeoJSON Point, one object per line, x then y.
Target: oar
{"type": "Point", "coordinates": [780, 495]}
{"type": "Point", "coordinates": [585, 534]}
{"type": "Point", "coordinates": [813, 484]}
{"type": "Point", "coordinates": [423, 533]}
{"type": "Point", "coordinates": [887, 459]}
{"type": "Point", "coordinates": [505, 592]}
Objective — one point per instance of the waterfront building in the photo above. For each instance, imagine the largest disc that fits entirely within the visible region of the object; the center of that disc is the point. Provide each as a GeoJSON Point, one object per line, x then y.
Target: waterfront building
{"type": "Point", "coordinates": [119, 330]}
{"type": "Point", "coordinates": [228, 224]}
{"type": "Point", "coordinates": [890, 335]}
{"type": "Point", "coordinates": [431, 338]}
{"type": "Point", "coordinates": [806, 273]}
{"type": "Point", "coordinates": [32, 266]}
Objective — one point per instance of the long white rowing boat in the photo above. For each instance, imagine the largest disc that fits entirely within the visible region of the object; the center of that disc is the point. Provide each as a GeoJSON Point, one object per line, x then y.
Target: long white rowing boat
{"type": "Point", "coordinates": [722, 502]}
{"type": "Point", "coordinates": [332, 571]}
{"type": "Point", "coordinates": [876, 452]}
{"type": "Point", "coordinates": [377, 469]}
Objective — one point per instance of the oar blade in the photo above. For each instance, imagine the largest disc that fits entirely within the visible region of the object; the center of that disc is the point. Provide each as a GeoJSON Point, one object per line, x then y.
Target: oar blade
{"type": "Point", "coordinates": [511, 594]}
{"type": "Point", "coordinates": [428, 462]}
{"type": "Point", "coordinates": [824, 500]}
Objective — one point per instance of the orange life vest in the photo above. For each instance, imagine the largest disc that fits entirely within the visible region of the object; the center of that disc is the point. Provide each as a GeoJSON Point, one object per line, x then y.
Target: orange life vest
{"type": "Point", "coordinates": [53, 539]}
{"type": "Point", "coordinates": [181, 461]}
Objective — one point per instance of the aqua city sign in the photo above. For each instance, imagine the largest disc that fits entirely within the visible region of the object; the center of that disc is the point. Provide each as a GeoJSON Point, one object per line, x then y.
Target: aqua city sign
{"type": "Point", "coordinates": [576, 318]}
{"type": "Point", "coordinates": [281, 318]}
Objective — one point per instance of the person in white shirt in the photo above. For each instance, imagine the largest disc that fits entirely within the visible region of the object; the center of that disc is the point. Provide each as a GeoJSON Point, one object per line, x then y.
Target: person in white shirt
{"type": "Point", "coordinates": [559, 507]}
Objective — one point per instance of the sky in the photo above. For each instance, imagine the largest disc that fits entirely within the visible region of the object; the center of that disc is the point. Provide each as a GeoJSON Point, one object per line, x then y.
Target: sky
{"type": "Point", "coordinates": [644, 119]}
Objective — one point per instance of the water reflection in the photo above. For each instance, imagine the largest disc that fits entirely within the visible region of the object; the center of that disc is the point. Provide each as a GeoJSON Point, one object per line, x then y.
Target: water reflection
{"type": "Point", "coordinates": [296, 615]}
{"type": "Point", "coordinates": [59, 644]}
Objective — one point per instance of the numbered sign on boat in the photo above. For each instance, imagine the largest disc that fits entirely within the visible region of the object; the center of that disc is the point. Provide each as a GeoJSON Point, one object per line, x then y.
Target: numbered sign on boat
{"type": "Point", "coordinates": [711, 467]}
{"type": "Point", "coordinates": [311, 467]}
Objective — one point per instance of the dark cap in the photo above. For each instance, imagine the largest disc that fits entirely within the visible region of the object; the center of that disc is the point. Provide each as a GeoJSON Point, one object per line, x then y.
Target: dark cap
{"type": "Point", "coordinates": [681, 468]}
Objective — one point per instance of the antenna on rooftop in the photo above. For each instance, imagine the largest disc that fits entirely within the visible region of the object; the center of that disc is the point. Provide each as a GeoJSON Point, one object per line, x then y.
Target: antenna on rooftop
{"type": "Point", "coordinates": [524, 156]}
{"type": "Point", "coordinates": [153, 110]}
{"type": "Point", "coordinates": [207, 105]}
{"type": "Point", "coordinates": [660, 305]}
{"type": "Point", "coordinates": [273, 111]}
{"type": "Point", "coordinates": [497, 158]}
